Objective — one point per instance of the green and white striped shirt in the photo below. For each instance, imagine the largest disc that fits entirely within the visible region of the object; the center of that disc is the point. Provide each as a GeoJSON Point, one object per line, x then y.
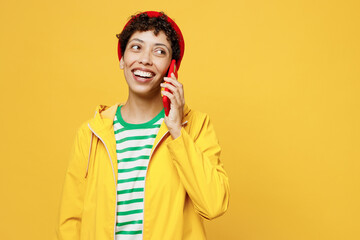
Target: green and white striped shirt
{"type": "Point", "coordinates": [133, 147]}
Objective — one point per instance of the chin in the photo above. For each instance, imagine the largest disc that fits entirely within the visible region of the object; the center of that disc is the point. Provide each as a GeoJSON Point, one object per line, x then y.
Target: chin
{"type": "Point", "coordinates": [145, 91]}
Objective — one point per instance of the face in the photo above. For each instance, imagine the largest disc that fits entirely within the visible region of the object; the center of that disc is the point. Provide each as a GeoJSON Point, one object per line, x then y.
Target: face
{"type": "Point", "coordinates": [145, 62]}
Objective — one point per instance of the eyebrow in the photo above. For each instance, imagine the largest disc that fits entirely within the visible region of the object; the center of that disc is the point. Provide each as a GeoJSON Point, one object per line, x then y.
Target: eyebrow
{"type": "Point", "coordinates": [136, 39]}
{"type": "Point", "coordinates": [156, 44]}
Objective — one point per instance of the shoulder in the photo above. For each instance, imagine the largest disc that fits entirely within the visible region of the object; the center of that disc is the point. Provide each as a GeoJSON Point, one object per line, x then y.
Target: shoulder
{"type": "Point", "coordinates": [83, 138]}
{"type": "Point", "coordinates": [101, 112]}
{"type": "Point", "coordinates": [196, 122]}
{"type": "Point", "coordinates": [83, 130]}
{"type": "Point", "coordinates": [195, 116]}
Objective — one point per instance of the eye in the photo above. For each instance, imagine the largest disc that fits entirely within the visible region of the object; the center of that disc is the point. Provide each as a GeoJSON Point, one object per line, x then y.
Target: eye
{"type": "Point", "coordinates": [160, 51]}
{"type": "Point", "coordinates": [135, 47]}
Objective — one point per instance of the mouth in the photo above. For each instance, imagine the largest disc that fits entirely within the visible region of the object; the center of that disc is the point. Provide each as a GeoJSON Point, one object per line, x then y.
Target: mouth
{"type": "Point", "coordinates": [143, 75]}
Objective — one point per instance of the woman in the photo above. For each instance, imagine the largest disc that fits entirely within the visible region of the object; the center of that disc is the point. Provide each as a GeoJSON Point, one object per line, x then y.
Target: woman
{"type": "Point", "coordinates": [136, 173]}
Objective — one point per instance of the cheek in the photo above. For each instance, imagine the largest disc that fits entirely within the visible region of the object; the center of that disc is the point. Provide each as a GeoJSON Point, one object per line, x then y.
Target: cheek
{"type": "Point", "coordinates": [128, 60]}
{"type": "Point", "coordinates": [164, 66]}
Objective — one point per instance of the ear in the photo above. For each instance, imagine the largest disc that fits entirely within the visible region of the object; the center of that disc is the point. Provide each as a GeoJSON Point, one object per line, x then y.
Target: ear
{"type": "Point", "coordinates": [122, 63]}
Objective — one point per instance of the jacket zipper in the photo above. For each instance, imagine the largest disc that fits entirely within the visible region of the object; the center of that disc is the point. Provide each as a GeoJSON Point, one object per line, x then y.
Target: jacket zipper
{"type": "Point", "coordinates": [114, 177]}
{"type": "Point", "coordinates": [87, 168]}
{"type": "Point", "coordinates": [146, 174]}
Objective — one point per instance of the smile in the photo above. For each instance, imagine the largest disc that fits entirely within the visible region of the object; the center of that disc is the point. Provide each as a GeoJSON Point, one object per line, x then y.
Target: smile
{"type": "Point", "coordinates": [143, 74]}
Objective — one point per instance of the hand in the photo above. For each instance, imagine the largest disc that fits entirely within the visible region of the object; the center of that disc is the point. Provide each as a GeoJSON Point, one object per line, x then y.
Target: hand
{"type": "Point", "coordinates": [174, 120]}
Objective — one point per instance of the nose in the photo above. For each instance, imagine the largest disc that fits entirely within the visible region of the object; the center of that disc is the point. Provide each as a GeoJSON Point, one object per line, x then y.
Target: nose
{"type": "Point", "coordinates": [145, 57]}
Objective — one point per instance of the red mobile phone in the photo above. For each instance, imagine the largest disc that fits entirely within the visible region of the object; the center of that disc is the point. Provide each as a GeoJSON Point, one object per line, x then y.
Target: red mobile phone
{"type": "Point", "coordinates": [166, 100]}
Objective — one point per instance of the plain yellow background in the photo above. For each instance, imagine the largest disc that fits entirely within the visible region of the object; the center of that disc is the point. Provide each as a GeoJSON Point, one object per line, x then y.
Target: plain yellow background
{"type": "Point", "coordinates": [279, 79]}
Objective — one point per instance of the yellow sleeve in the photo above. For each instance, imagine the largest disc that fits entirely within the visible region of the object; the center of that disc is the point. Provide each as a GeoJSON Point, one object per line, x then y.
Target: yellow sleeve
{"type": "Point", "coordinates": [71, 206]}
{"type": "Point", "coordinates": [197, 161]}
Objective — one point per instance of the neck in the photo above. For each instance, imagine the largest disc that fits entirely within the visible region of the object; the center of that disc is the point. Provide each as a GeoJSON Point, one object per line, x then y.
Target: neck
{"type": "Point", "coordinates": [140, 109]}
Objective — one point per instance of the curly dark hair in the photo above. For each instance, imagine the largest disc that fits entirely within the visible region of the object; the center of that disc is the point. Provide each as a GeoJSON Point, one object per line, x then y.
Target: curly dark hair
{"type": "Point", "coordinates": [143, 22]}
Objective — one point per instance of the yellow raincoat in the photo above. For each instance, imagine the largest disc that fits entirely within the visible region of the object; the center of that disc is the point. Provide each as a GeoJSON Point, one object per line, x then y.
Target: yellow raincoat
{"type": "Point", "coordinates": [185, 182]}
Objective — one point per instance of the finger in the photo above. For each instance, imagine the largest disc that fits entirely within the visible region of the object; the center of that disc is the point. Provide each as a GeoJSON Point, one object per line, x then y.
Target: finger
{"type": "Point", "coordinates": [178, 92]}
{"type": "Point", "coordinates": [173, 81]}
{"type": "Point", "coordinates": [174, 101]}
{"type": "Point", "coordinates": [179, 88]}
{"type": "Point", "coordinates": [176, 84]}
{"type": "Point", "coordinates": [169, 95]}
{"type": "Point", "coordinates": [169, 86]}
{"type": "Point", "coordinates": [177, 100]}
{"type": "Point", "coordinates": [173, 76]}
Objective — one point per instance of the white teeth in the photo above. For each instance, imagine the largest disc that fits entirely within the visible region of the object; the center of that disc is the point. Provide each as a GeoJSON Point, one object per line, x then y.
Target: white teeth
{"type": "Point", "coordinates": [142, 73]}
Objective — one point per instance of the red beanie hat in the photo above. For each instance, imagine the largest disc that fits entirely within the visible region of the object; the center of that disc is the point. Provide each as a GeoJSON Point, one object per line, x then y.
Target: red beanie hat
{"type": "Point", "coordinates": [153, 14]}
